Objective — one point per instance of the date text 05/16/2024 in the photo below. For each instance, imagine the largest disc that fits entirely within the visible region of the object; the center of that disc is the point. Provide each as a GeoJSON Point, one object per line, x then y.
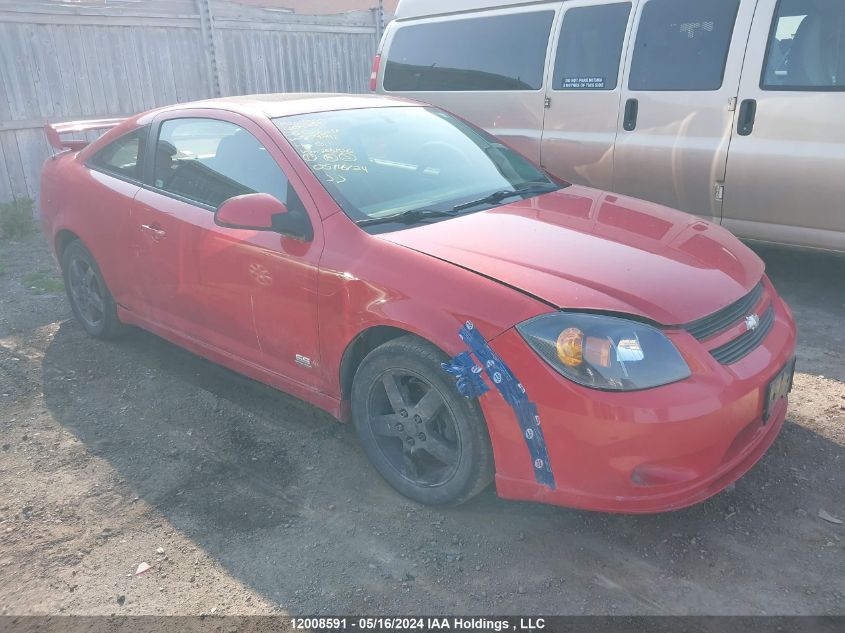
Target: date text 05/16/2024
{"type": "Point", "coordinates": [399, 624]}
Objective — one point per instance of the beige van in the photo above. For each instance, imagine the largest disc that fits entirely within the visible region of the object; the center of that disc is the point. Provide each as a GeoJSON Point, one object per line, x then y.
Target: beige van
{"type": "Point", "coordinates": [730, 109]}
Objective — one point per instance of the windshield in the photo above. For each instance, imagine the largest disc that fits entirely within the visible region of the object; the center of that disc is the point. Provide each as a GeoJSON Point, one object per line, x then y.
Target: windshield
{"type": "Point", "coordinates": [394, 166]}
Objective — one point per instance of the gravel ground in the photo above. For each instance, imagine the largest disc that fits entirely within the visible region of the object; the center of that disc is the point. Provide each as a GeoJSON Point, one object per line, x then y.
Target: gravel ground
{"type": "Point", "coordinates": [243, 500]}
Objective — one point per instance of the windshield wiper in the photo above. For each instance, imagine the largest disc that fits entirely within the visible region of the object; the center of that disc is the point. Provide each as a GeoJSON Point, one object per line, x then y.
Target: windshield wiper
{"type": "Point", "coordinates": [498, 196]}
{"type": "Point", "coordinates": [407, 217]}
{"type": "Point", "coordinates": [420, 215]}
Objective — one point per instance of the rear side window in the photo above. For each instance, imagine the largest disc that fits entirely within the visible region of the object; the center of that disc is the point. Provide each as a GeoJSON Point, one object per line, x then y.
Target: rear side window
{"type": "Point", "coordinates": [505, 52]}
{"type": "Point", "coordinates": [121, 158]}
{"type": "Point", "coordinates": [209, 161]}
{"type": "Point", "coordinates": [806, 49]}
{"type": "Point", "coordinates": [683, 44]}
{"type": "Point", "coordinates": [590, 47]}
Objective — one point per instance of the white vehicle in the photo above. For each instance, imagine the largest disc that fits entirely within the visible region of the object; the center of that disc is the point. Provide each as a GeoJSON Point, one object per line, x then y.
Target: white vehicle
{"type": "Point", "coordinates": [729, 109]}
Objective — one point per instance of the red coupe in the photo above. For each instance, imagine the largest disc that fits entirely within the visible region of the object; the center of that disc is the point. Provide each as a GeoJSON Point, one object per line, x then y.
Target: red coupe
{"type": "Point", "coordinates": [396, 266]}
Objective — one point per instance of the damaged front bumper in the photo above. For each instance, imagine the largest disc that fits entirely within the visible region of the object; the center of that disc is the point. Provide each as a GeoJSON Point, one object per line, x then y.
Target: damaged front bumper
{"type": "Point", "coordinates": [641, 452]}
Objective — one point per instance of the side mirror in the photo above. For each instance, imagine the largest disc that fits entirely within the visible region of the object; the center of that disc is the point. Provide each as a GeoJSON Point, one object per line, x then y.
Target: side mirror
{"type": "Point", "coordinates": [256, 211]}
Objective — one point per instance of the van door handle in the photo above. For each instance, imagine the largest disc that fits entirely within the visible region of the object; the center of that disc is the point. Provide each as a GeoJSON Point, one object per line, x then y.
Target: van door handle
{"type": "Point", "coordinates": [632, 109]}
{"type": "Point", "coordinates": [746, 118]}
{"type": "Point", "coordinates": [157, 232]}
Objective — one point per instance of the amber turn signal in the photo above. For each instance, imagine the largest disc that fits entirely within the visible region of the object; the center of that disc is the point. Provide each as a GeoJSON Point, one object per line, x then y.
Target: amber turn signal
{"type": "Point", "coordinates": [570, 347]}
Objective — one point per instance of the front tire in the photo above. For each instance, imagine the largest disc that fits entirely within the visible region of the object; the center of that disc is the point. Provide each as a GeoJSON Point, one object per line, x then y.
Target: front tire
{"type": "Point", "coordinates": [90, 299]}
{"type": "Point", "coordinates": [429, 442]}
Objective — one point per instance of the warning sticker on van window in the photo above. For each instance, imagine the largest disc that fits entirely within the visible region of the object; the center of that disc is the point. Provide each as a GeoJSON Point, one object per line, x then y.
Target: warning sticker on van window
{"type": "Point", "coordinates": [583, 83]}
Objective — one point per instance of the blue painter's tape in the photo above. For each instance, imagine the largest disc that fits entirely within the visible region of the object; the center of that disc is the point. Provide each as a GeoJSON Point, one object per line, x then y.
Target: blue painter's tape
{"type": "Point", "coordinates": [512, 391]}
{"type": "Point", "coordinates": [468, 376]}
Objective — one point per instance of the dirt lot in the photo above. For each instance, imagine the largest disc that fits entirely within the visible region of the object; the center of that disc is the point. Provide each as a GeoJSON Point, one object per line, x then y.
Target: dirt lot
{"type": "Point", "coordinates": [246, 501]}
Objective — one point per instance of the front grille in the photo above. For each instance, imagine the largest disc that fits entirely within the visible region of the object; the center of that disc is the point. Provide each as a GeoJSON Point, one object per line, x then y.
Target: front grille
{"type": "Point", "coordinates": [744, 344]}
{"type": "Point", "coordinates": [719, 321]}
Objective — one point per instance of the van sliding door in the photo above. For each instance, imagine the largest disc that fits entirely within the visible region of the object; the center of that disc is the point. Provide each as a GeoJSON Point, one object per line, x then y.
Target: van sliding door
{"type": "Point", "coordinates": [583, 90]}
{"type": "Point", "coordinates": [678, 105]}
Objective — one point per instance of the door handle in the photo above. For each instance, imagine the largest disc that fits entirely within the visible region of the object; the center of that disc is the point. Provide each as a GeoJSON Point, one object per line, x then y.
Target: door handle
{"type": "Point", "coordinates": [746, 118]}
{"type": "Point", "coordinates": [632, 109]}
{"type": "Point", "coordinates": [155, 231]}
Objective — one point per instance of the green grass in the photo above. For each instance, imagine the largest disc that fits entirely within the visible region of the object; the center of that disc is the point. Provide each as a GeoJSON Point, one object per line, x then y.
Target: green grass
{"type": "Point", "coordinates": [16, 218]}
{"type": "Point", "coordinates": [3, 269]}
{"type": "Point", "coordinates": [41, 283]}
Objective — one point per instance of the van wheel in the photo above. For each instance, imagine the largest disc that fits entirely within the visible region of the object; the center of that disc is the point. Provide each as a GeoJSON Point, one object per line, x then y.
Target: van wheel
{"type": "Point", "coordinates": [424, 438]}
{"type": "Point", "coordinates": [90, 299]}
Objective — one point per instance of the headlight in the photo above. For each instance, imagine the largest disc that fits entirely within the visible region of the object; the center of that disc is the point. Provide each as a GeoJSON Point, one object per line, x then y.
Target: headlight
{"type": "Point", "coordinates": [605, 352]}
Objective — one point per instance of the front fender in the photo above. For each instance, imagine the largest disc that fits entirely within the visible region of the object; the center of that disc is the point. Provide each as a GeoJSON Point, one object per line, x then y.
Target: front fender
{"type": "Point", "coordinates": [367, 282]}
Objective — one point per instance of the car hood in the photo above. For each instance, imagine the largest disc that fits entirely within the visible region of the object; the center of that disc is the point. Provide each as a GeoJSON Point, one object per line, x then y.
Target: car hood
{"type": "Point", "coordinates": [579, 248]}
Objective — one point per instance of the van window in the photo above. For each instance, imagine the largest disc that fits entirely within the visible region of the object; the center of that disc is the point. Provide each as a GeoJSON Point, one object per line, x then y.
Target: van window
{"type": "Point", "coordinates": [806, 47]}
{"type": "Point", "coordinates": [505, 52]}
{"type": "Point", "coordinates": [590, 47]}
{"type": "Point", "coordinates": [683, 44]}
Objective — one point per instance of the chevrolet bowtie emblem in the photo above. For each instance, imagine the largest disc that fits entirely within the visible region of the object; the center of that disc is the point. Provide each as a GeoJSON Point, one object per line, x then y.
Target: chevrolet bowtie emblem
{"type": "Point", "coordinates": [752, 322]}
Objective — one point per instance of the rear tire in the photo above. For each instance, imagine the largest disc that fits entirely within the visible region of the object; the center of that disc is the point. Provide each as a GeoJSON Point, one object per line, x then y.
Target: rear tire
{"type": "Point", "coordinates": [429, 442]}
{"type": "Point", "coordinates": [90, 299]}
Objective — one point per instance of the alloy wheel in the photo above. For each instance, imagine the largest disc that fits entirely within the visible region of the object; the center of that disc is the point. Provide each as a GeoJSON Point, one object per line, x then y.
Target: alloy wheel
{"type": "Point", "coordinates": [413, 428]}
{"type": "Point", "coordinates": [87, 292]}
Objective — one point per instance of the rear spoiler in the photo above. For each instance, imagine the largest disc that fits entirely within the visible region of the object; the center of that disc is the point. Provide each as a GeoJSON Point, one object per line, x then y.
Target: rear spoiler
{"type": "Point", "coordinates": [55, 130]}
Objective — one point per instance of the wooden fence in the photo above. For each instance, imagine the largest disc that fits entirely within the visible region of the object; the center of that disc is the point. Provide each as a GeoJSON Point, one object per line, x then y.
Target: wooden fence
{"type": "Point", "coordinates": [63, 60]}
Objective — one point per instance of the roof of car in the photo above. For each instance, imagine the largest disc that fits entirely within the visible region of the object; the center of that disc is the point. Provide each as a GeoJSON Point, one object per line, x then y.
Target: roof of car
{"type": "Point", "coordinates": [292, 103]}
